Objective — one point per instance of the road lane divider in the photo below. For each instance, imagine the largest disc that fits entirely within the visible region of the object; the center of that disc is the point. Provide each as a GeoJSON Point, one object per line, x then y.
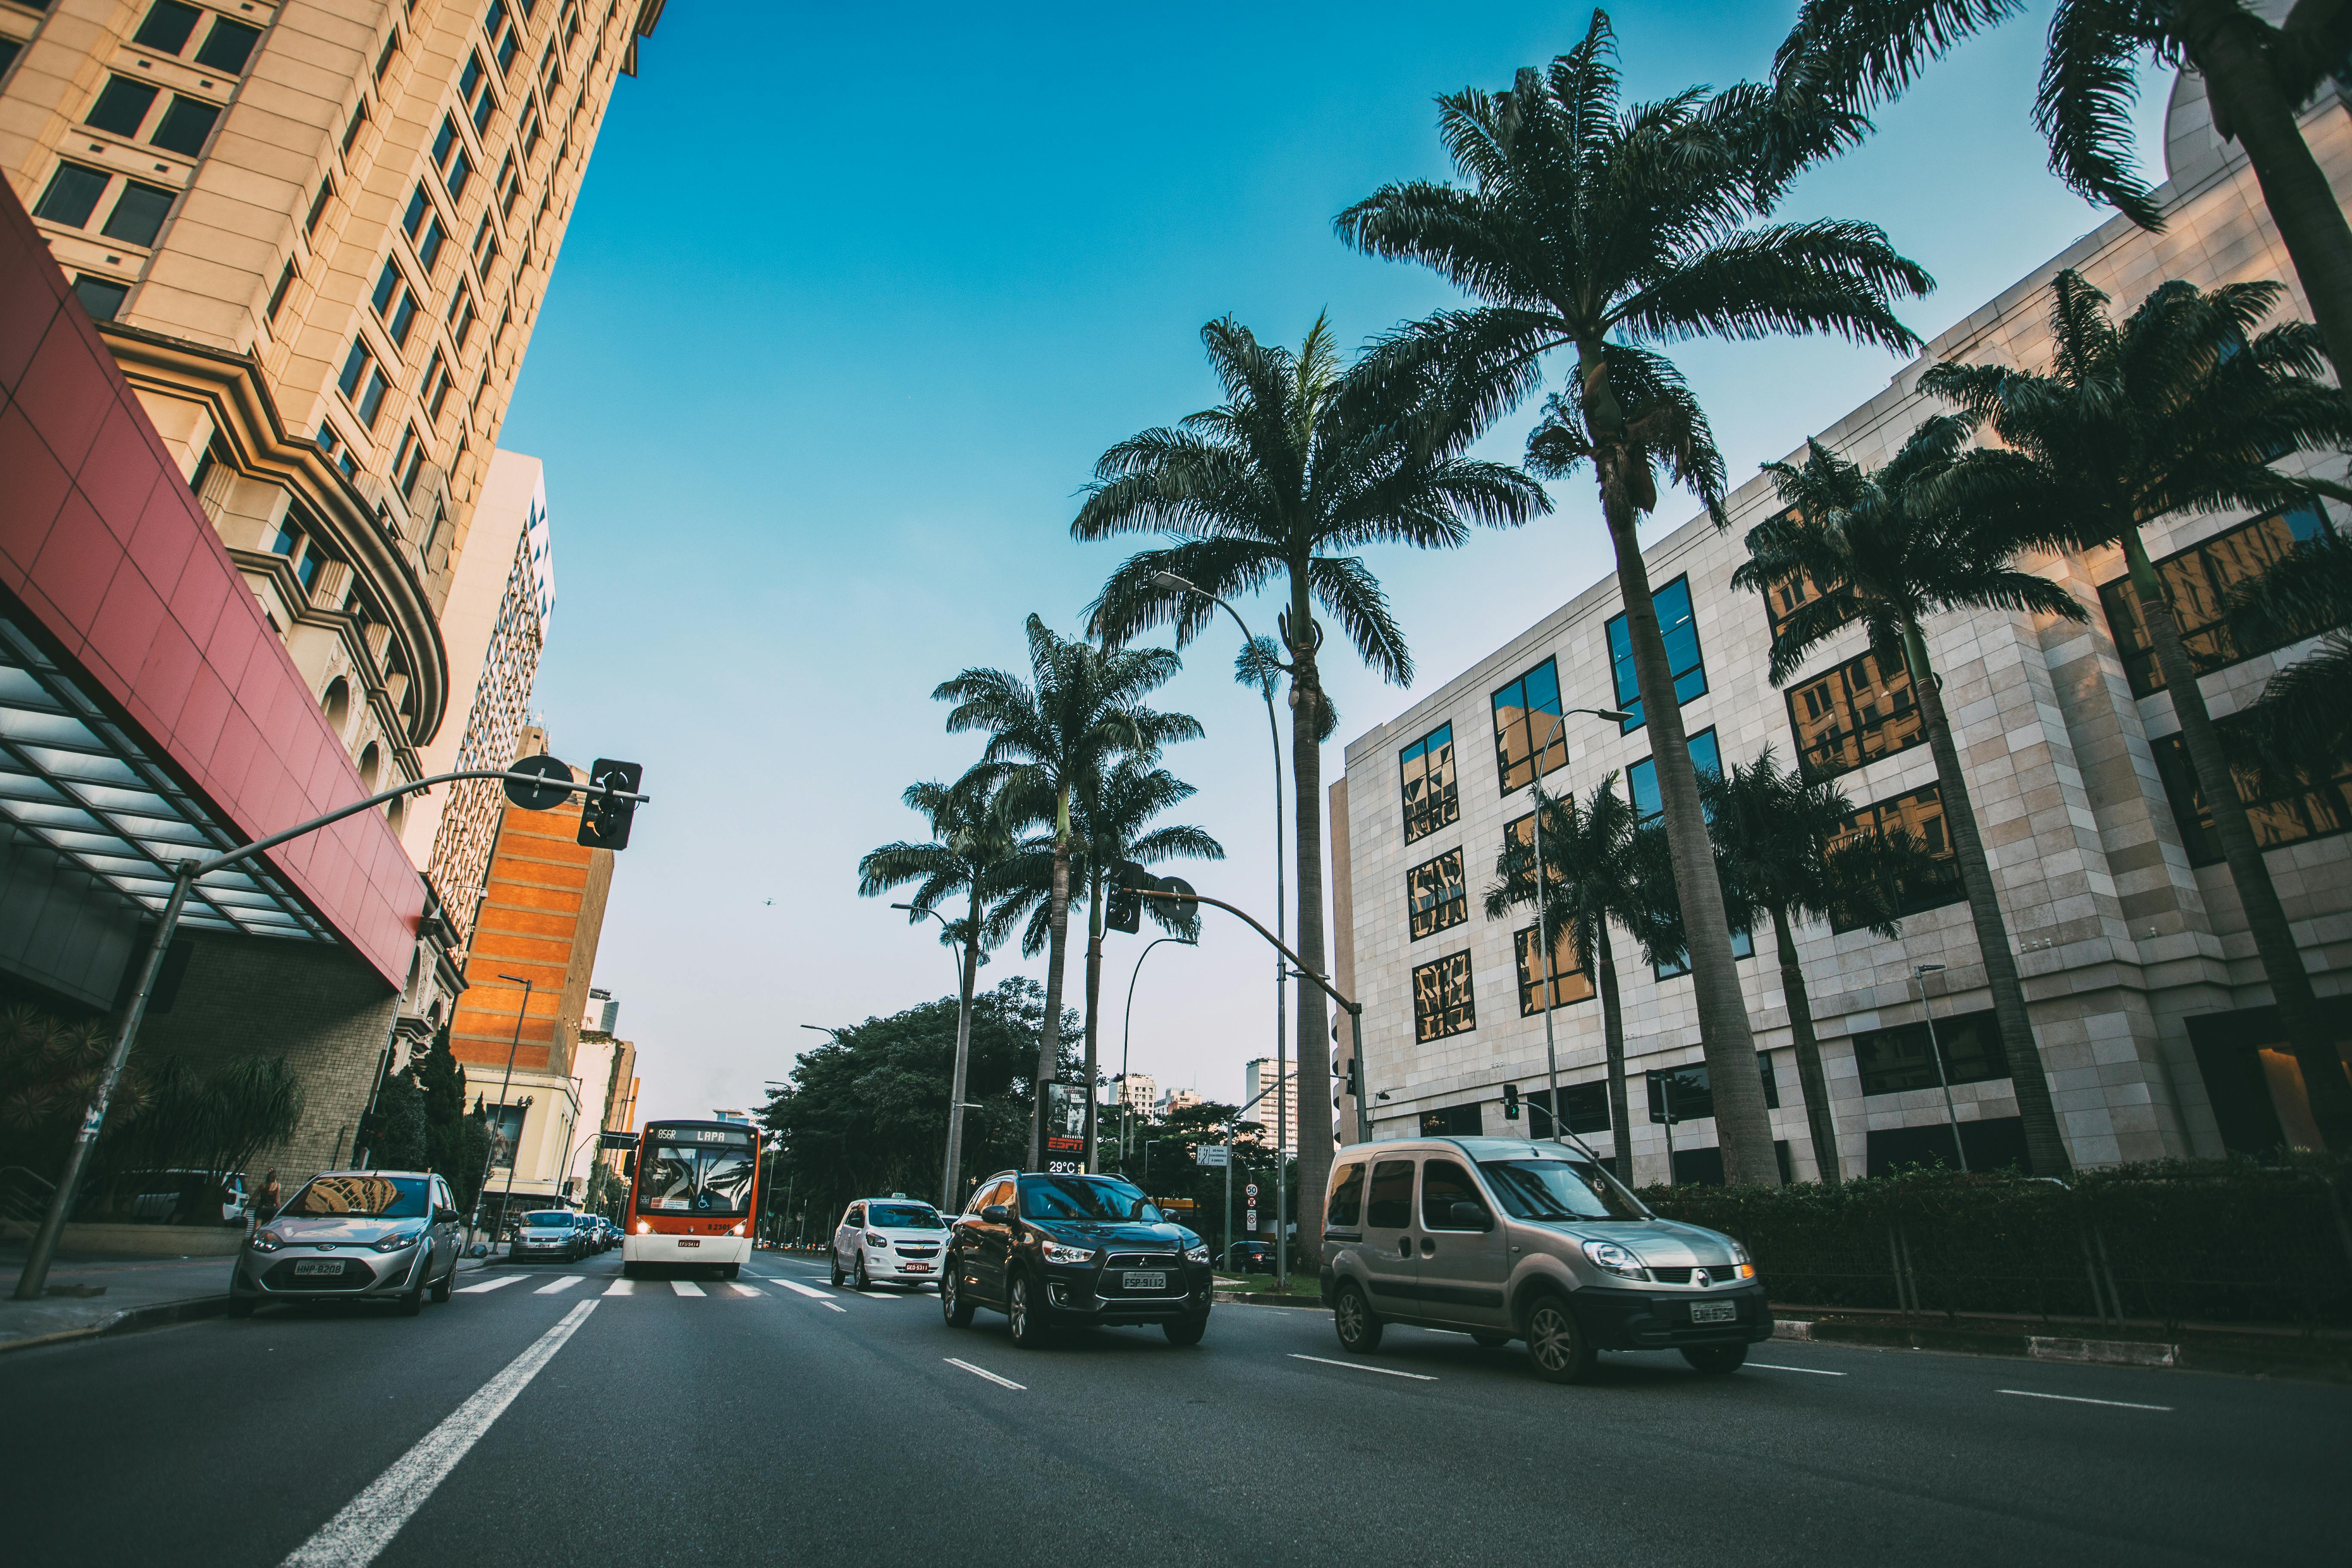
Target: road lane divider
{"type": "Point", "coordinates": [983, 1371]}
{"type": "Point", "coordinates": [685, 1288]}
{"type": "Point", "coordinates": [811, 1291]}
{"type": "Point", "coordinates": [500, 1283]}
{"type": "Point", "coordinates": [1359, 1366]}
{"type": "Point", "coordinates": [358, 1535]}
{"type": "Point", "coordinates": [1775, 1366]}
{"type": "Point", "coordinates": [559, 1287]}
{"type": "Point", "coordinates": [2078, 1399]}
{"type": "Point", "coordinates": [622, 1288]}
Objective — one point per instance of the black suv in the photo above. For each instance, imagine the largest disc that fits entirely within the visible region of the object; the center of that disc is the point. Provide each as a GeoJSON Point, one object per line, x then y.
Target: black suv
{"type": "Point", "coordinates": [1051, 1250]}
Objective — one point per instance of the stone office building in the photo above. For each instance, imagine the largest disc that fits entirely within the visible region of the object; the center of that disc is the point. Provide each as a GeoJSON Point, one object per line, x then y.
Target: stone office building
{"type": "Point", "coordinates": [2147, 1003]}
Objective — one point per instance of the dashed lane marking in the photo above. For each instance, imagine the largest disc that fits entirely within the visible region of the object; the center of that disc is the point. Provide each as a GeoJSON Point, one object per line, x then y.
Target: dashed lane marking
{"type": "Point", "coordinates": [686, 1287]}
{"type": "Point", "coordinates": [2078, 1399]}
{"type": "Point", "coordinates": [742, 1289]}
{"type": "Point", "coordinates": [557, 1287]}
{"type": "Point", "coordinates": [983, 1371]}
{"type": "Point", "coordinates": [622, 1288]}
{"type": "Point", "coordinates": [500, 1283]}
{"type": "Point", "coordinates": [1816, 1371]}
{"type": "Point", "coordinates": [811, 1291]}
{"type": "Point", "coordinates": [1359, 1366]}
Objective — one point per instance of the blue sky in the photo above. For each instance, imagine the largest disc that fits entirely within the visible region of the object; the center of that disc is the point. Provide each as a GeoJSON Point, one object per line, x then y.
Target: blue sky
{"type": "Point", "coordinates": [844, 320]}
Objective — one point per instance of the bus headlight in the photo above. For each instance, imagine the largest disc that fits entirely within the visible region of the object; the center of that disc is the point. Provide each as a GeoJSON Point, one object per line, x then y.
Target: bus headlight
{"type": "Point", "coordinates": [645, 1228]}
{"type": "Point", "coordinates": [737, 1231]}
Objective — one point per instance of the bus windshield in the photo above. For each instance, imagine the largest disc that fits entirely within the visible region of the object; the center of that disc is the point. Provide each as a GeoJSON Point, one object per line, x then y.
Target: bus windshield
{"type": "Point", "coordinates": [711, 1180]}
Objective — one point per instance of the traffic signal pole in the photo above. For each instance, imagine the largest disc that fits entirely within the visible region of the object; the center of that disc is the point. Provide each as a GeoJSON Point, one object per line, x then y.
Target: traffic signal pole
{"type": "Point", "coordinates": [31, 1283]}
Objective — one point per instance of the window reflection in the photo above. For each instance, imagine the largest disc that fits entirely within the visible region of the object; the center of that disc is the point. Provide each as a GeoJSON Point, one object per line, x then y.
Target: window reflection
{"type": "Point", "coordinates": [1437, 895]}
{"type": "Point", "coordinates": [1553, 985]}
{"type": "Point", "coordinates": [1526, 712]}
{"type": "Point", "coordinates": [1679, 628]}
{"type": "Point", "coordinates": [1430, 799]}
{"type": "Point", "coordinates": [2200, 580]}
{"type": "Point", "coordinates": [1862, 710]}
{"type": "Point", "coordinates": [1441, 1003]}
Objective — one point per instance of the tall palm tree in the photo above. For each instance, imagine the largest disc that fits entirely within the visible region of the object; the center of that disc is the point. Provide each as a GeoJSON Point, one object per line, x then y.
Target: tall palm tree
{"type": "Point", "coordinates": [1588, 230]}
{"type": "Point", "coordinates": [1076, 713]}
{"type": "Point", "coordinates": [1853, 55]}
{"type": "Point", "coordinates": [1781, 841]}
{"type": "Point", "coordinates": [975, 832]}
{"type": "Point", "coordinates": [1303, 464]}
{"type": "Point", "coordinates": [1879, 552]}
{"type": "Point", "coordinates": [2183, 407]}
{"type": "Point", "coordinates": [1593, 879]}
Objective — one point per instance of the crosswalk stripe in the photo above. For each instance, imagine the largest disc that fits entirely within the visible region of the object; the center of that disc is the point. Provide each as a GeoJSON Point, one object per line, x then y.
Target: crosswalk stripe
{"type": "Point", "coordinates": [742, 1289]}
{"type": "Point", "coordinates": [881, 1295]}
{"type": "Point", "coordinates": [500, 1283]}
{"type": "Point", "coordinates": [809, 1291]}
{"type": "Point", "coordinates": [685, 1288]}
{"type": "Point", "coordinates": [557, 1287]}
{"type": "Point", "coordinates": [622, 1288]}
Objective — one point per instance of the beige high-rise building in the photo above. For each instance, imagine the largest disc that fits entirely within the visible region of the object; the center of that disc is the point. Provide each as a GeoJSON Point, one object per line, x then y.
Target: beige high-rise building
{"type": "Point", "coordinates": [1257, 1078]}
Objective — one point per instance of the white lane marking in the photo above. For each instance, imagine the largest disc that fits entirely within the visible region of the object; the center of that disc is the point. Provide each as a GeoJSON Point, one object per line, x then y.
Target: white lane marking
{"type": "Point", "coordinates": [983, 1371]}
{"type": "Point", "coordinates": [622, 1288]}
{"type": "Point", "coordinates": [500, 1283]}
{"type": "Point", "coordinates": [686, 1287]}
{"type": "Point", "coordinates": [2078, 1399]}
{"type": "Point", "coordinates": [1359, 1366]}
{"type": "Point", "coordinates": [742, 1289]}
{"type": "Point", "coordinates": [354, 1538]}
{"type": "Point", "coordinates": [811, 1291]}
{"type": "Point", "coordinates": [830, 1308]}
{"type": "Point", "coordinates": [881, 1295]}
{"type": "Point", "coordinates": [1769, 1367]}
{"type": "Point", "coordinates": [557, 1286]}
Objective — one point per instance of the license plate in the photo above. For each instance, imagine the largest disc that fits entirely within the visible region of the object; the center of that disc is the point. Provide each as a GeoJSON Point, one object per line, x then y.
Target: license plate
{"type": "Point", "coordinates": [1715, 1312]}
{"type": "Point", "coordinates": [1132, 1281]}
{"type": "Point", "coordinates": [689, 1241]}
{"type": "Point", "coordinates": [914, 1268]}
{"type": "Point", "coordinates": [318, 1266]}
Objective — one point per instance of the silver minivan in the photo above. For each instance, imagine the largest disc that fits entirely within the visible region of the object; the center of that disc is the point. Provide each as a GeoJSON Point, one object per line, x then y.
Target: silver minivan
{"type": "Point", "coordinates": [1508, 1238]}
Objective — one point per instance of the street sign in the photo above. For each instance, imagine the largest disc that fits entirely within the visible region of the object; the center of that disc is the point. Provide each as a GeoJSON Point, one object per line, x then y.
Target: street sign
{"type": "Point", "coordinates": [616, 1139]}
{"type": "Point", "coordinates": [540, 796]}
{"type": "Point", "coordinates": [1249, 1219]}
{"type": "Point", "coordinates": [1213, 1155]}
{"type": "Point", "coordinates": [1250, 1191]}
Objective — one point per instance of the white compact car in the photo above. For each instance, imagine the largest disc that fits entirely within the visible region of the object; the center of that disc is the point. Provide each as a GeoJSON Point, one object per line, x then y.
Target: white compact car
{"type": "Point", "coordinates": [888, 1241]}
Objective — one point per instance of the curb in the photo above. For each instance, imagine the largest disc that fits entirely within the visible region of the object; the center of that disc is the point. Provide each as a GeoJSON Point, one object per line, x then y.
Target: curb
{"type": "Point", "coordinates": [2035, 1347]}
{"type": "Point", "coordinates": [2119, 1353]}
{"type": "Point", "coordinates": [132, 1321]}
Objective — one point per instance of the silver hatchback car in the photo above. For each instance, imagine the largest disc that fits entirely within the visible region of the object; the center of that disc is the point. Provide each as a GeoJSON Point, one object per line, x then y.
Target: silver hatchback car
{"type": "Point", "coordinates": [1508, 1239]}
{"type": "Point", "coordinates": [354, 1235]}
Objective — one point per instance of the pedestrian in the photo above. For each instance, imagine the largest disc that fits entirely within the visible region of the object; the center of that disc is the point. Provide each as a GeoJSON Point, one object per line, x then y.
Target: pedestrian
{"type": "Point", "coordinates": [266, 1206]}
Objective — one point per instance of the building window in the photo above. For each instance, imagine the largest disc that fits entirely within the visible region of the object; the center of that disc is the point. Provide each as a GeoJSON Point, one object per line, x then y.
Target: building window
{"type": "Point", "coordinates": [509, 188]}
{"type": "Point", "coordinates": [1436, 895]}
{"type": "Point", "coordinates": [228, 47]}
{"type": "Point", "coordinates": [1564, 981]}
{"type": "Point", "coordinates": [428, 249]}
{"type": "Point", "coordinates": [1584, 1106]}
{"type": "Point", "coordinates": [1673, 604]}
{"type": "Point", "coordinates": [121, 107]}
{"type": "Point", "coordinates": [1650, 805]}
{"type": "Point", "coordinates": [138, 215]}
{"type": "Point", "coordinates": [1430, 799]}
{"type": "Point", "coordinates": [412, 222]}
{"type": "Point", "coordinates": [2198, 581]}
{"type": "Point", "coordinates": [358, 124]}
{"type": "Point", "coordinates": [474, 90]}
{"type": "Point", "coordinates": [461, 318]}
{"type": "Point", "coordinates": [72, 194]}
{"type": "Point", "coordinates": [2281, 809]}
{"type": "Point", "coordinates": [1862, 710]}
{"type": "Point", "coordinates": [318, 205]}
{"type": "Point", "coordinates": [1693, 1090]}
{"type": "Point", "coordinates": [1441, 1003]}
{"type": "Point", "coordinates": [167, 26]}
{"type": "Point", "coordinates": [449, 157]}
{"type": "Point", "coordinates": [437, 386]}
{"type": "Point", "coordinates": [185, 126]}
{"type": "Point", "coordinates": [1919, 813]}
{"type": "Point", "coordinates": [277, 295]}
{"type": "Point", "coordinates": [391, 53]}
{"type": "Point", "coordinates": [500, 28]}
{"type": "Point", "coordinates": [1526, 711]}
{"type": "Point", "coordinates": [414, 468]}
{"type": "Point", "coordinates": [1454, 1121]}
{"type": "Point", "coordinates": [101, 296]}
{"type": "Point", "coordinates": [1891, 1062]}
{"type": "Point", "coordinates": [486, 246]}
{"type": "Point", "coordinates": [9, 49]}
{"type": "Point", "coordinates": [1783, 598]}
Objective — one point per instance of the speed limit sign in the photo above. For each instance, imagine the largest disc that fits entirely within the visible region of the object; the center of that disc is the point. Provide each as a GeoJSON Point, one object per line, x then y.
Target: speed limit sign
{"type": "Point", "coordinates": [1250, 1191]}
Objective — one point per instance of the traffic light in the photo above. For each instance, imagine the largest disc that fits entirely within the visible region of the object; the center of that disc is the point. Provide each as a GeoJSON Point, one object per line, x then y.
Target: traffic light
{"type": "Point", "coordinates": [1510, 1102]}
{"type": "Point", "coordinates": [1124, 909]}
{"type": "Point", "coordinates": [1355, 1080]}
{"type": "Point", "coordinates": [605, 820]}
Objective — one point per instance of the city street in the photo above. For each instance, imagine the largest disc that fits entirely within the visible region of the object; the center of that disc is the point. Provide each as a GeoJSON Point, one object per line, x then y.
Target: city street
{"type": "Point", "coordinates": [778, 1418]}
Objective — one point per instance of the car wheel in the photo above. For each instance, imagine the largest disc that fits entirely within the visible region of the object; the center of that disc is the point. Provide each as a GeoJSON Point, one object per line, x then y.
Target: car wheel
{"type": "Point", "coordinates": [1023, 1313]}
{"type": "Point", "coordinates": [443, 1286]}
{"type": "Point", "coordinates": [412, 1301]}
{"type": "Point", "coordinates": [241, 1306]}
{"type": "Point", "coordinates": [952, 1306]}
{"type": "Point", "coordinates": [1488, 1342]}
{"type": "Point", "coordinates": [1186, 1332]}
{"type": "Point", "coordinates": [834, 1261]}
{"type": "Point", "coordinates": [1715, 1361]}
{"type": "Point", "coordinates": [1352, 1316]}
{"type": "Point", "coordinates": [862, 1280]}
{"type": "Point", "coordinates": [1556, 1342]}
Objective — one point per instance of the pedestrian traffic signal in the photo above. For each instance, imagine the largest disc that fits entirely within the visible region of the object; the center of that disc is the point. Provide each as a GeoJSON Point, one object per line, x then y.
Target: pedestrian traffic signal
{"type": "Point", "coordinates": [1510, 1102]}
{"type": "Point", "coordinates": [1354, 1082]}
{"type": "Point", "coordinates": [605, 820]}
{"type": "Point", "coordinates": [1123, 911]}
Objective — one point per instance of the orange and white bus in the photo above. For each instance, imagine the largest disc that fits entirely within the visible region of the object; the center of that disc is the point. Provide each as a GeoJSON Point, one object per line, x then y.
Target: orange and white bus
{"type": "Point", "coordinates": [693, 1198]}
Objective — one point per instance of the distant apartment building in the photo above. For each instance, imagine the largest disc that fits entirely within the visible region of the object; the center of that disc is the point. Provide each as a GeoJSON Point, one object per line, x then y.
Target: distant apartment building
{"type": "Point", "coordinates": [2150, 1011]}
{"type": "Point", "coordinates": [1140, 1092]}
{"type": "Point", "coordinates": [1176, 1100]}
{"type": "Point", "coordinates": [1257, 1079]}
{"type": "Point", "coordinates": [605, 1068]}
{"type": "Point", "coordinates": [603, 1014]}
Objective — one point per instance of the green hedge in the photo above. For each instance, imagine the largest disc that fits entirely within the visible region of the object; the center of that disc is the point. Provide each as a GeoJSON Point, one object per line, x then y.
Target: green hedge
{"type": "Point", "coordinates": [2237, 1241]}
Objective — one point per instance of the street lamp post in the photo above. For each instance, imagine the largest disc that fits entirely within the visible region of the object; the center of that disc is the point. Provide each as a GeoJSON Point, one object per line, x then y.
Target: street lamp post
{"type": "Point", "coordinates": [1169, 579]}
{"type": "Point", "coordinates": [514, 1154]}
{"type": "Point", "coordinates": [1942, 1078]}
{"type": "Point", "coordinates": [966, 962]}
{"type": "Point", "coordinates": [1125, 1030]}
{"type": "Point", "coordinates": [1543, 922]}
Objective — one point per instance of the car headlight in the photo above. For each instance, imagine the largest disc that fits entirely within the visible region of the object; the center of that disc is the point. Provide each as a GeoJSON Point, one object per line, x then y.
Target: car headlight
{"type": "Point", "coordinates": [399, 1241]}
{"type": "Point", "coordinates": [1746, 1268]}
{"type": "Point", "coordinates": [265, 1241]}
{"type": "Point", "coordinates": [1057, 1253]}
{"type": "Point", "coordinates": [873, 1240]}
{"type": "Point", "coordinates": [1612, 1258]}
{"type": "Point", "coordinates": [645, 1228]}
{"type": "Point", "coordinates": [1197, 1254]}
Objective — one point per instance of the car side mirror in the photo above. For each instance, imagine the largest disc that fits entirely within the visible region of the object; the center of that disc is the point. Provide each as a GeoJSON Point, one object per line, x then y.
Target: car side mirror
{"type": "Point", "coordinates": [997, 1213]}
{"type": "Point", "coordinates": [1470, 1216]}
{"type": "Point", "coordinates": [445, 1216]}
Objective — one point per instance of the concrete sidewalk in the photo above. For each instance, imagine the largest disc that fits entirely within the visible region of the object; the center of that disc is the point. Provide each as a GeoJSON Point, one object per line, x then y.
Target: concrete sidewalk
{"type": "Point", "coordinates": [108, 1295]}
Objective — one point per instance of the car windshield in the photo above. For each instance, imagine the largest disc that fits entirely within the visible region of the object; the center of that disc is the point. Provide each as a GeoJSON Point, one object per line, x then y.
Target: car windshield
{"type": "Point", "coordinates": [551, 1220]}
{"type": "Point", "coordinates": [1559, 1189]}
{"type": "Point", "coordinates": [712, 1179]}
{"type": "Point", "coordinates": [1076, 1197]}
{"type": "Point", "coordinates": [905, 1216]}
{"type": "Point", "coordinates": [361, 1197]}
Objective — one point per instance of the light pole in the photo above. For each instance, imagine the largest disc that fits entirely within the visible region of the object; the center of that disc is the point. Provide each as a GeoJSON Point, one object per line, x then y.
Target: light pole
{"type": "Point", "coordinates": [514, 1154]}
{"type": "Point", "coordinates": [1126, 1029]}
{"type": "Point", "coordinates": [1942, 1078]}
{"type": "Point", "coordinates": [1543, 924]}
{"type": "Point", "coordinates": [966, 962]}
{"type": "Point", "coordinates": [1171, 581]}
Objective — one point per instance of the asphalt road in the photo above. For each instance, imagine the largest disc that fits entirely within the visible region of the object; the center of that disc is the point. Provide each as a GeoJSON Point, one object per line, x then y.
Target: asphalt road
{"type": "Point", "coordinates": [570, 1417]}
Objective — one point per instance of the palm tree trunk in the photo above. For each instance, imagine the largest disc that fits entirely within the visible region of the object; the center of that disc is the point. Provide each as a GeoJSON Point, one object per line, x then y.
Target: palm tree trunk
{"type": "Point", "coordinates": [2249, 106]}
{"type": "Point", "coordinates": [1049, 1038]}
{"type": "Point", "coordinates": [1094, 997]}
{"type": "Point", "coordinates": [2324, 1080]}
{"type": "Point", "coordinates": [1742, 1128]}
{"type": "Point", "coordinates": [1811, 1080]}
{"type": "Point", "coordinates": [2045, 1148]}
{"type": "Point", "coordinates": [950, 1185]}
{"type": "Point", "coordinates": [1314, 1037]}
{"type": "Point", "coordinates": [1612, 1036]}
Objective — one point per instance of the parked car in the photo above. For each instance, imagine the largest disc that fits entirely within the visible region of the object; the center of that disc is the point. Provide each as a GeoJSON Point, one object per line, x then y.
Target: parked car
{"type": "Point", "coordinates": [187, 1197]}
{"type": "Point", "coordinates": [1511, 1240]}
{"type": "Point", "coordinates": [1252, 1258]}
{"type": "Point", "coordinates": [549, 1233]}
{"type": "Point", "coordinates": [354, 1235]}
{"type": "Point", "coordinates": [888, 1241]}
{"type": "Point", "coordinates": [1054, 1250]}
{"type": "Point", "coordinates": [591, 1238]}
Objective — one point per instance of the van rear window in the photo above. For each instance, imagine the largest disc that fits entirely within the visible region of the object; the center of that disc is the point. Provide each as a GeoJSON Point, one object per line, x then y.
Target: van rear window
{"type": "Point", "coordinates": [1347, 1206]}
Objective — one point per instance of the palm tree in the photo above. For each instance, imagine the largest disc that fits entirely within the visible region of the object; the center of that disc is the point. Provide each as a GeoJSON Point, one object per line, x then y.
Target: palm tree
{"type": "Point", "coordinates": [2303, 722]}
{"type": "Point", "coordinates": [1080, 709]}
{"type": "Point", "coordinates": [1853, 55]}
{"type": "Point", "coordinates": [1588, 228]}
{"type": "Point", "coordinates": [975, 831]}
{"type": "Point", "coordinates": [2184, 408]}
{"type": "Point", "coordinates": [1879, 552]}
{"type": "Point", "coordinates": [1303, 464]}
{"type": "Point", "coordinates": [1592, 878]}
{"type": "Point", "coordinates": [1783, 845]}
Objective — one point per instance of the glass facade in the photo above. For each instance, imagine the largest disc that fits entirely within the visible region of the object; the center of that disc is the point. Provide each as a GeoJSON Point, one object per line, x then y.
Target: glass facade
{"type": "Point", "coordinates": [1919, 813]}
{"type": "Point", "coordinates": [1431, 799]}
{"type": "Point", "coordinates": [1680, 630]}
{"type": "Point", "coordinates": [1441, 1002]}
{"type": "Point", "coordinates": [2199, 581]}
{"type": "Point", "coordinates": [2281, 811]}
{"type": "Point", "coordinates": [1891, 1062]}
{"type": "Point", "coordinates": [1527, 712]}
{"type": "Point", "coordinates": [1562, 978]}
{"type": "Point", "coordinates": [1436, 895]}
{"type": "Point", "coordinates": [1862, 710]}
